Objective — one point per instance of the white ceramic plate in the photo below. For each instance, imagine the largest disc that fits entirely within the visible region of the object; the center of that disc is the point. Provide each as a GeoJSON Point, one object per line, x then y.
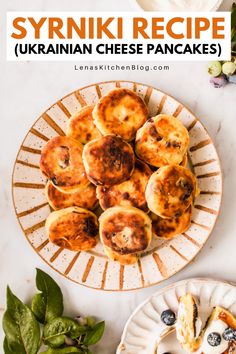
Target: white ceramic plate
{"type": "Point", "coordinates": [144, 327]}
{"type": "Point", "coordinates": [92, 268]}
{"type": "Point", "coordinates": [139, 5]}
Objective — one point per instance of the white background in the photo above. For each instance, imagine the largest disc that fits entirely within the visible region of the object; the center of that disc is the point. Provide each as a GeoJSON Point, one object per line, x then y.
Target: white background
{"type": "Point", "coordinates": [28, 88]}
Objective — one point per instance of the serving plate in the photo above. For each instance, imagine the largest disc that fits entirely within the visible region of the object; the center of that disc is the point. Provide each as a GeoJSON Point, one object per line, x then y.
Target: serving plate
{"type": "Point", "coordinates": [93, 268]}
{"type": "Point", "coordinates": [144, 327]}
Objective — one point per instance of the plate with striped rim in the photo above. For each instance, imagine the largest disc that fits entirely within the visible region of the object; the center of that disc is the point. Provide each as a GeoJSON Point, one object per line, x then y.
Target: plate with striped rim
{"type": "Point", "coordinates": [92, 268]}
{"type": "Point", "coordinates": [144, 331]}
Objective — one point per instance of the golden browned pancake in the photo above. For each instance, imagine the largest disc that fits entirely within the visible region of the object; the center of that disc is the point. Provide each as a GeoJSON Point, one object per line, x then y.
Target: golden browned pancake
{"type": "Point", "coordinates": [184, 162]}
{"type": "Point", "coordinates": [125, 259]}
{"type": "Point", "coordinates": [186, 324]}
{"type": "Point", "coordinates": [73, 228]}
{"type": "Point", "coordinates": [169, 228]}
{"type": "Point", "coordinates": [61, 162]}
{"type": "Point", "coordinates": [163, 140]}
{"type": "Point", "coordinates": [59, 200]}
{"type": "Point", "coordinates": [128, 193]}
{"type": "Point", "coordinates": [125, 230]}
{"type": "Point", "coordinates": [108, 160]}
{"type": "Point", "coordinates": [121, 112]}
{"type": "Point", "coordinates": [81, 126]}
{"type": "Point", "coordinates": [170, 191]}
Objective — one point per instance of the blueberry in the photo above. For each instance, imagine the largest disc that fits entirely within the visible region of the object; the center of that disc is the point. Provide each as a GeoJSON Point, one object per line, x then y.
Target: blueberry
{"type": "Point", "coordinates": [229, 334]}
{"type": "Point", "coordinates": [168, 317]}
{"type": "Point", "coordinates": [214, 339]}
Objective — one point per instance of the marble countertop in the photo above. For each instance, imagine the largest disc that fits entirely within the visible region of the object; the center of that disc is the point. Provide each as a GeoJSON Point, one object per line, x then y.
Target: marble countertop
{"type": "Point", "coordinates": [27, 89]}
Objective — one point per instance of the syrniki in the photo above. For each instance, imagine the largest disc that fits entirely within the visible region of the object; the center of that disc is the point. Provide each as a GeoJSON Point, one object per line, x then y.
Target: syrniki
{"type": "Point", "coordinates": [121, 112]}
{"type": "Point", "coordinates": [163, 140]}
{"type": "Point", "coordinates": [171, 190]}
{"type": "Point", "coordinates": [81, 126]}
{"type": "Point", "coordinates": [61, 162]}
{"type": "Point", "coordinates": [125, 232]}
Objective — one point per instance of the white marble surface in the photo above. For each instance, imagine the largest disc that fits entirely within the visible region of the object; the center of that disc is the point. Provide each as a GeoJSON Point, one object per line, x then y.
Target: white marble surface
{"type": "Point", "coordinates": [27, 89]}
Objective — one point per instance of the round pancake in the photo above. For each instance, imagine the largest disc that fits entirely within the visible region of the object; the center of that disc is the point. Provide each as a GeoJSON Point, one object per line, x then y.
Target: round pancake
{"type": "Point", "coordinates": [59, 200]}
{"type": "Point", "coordinates": [73, 228]}
{"type": "Point", "coordinates": [61, 162]}
{"type": "Point", "coordinates": [170, 191]}
{"type": "Point", "coordinates": [81, 126]}
{"type": "Point", "coordinates": [163, 140]}
{"type": "Point", "coordinates": [125, 230]}
{"type": "Point", "coordinates": [126, 259]}
{"type": "Point", "coordinates": [128, 193]}
{"type": "Point", "coordinates": [108, 160]}
{"type": "Point", "coordinates": [169, 228]}
{"type": "Point", "coordinates": [121, 112]}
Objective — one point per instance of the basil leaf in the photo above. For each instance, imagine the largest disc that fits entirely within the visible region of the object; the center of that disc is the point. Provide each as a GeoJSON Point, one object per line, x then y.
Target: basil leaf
{"type": "Point", "coordinates": [20, 326]}
{"type": "Point", "coordinates": [94, 334]}
{"type": "Point", "coordinates": [49, 303]}
{"type": "Point", "coordinates": [63, 351]}
{"type": "Point", "coordinates": [54, 332]}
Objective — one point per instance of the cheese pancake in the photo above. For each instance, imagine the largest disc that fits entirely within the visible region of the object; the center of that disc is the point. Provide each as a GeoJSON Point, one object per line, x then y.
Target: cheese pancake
{"type": "Point", "coordinates": [169, 228]}
{"type": "Point", "coordinates": [108, 160]}
{"type": "Point", "coordinates": [128, 193]}
{"type": "Point", "coordinates": [121, 112]}
{"type": "Point", "coordinates": [126, 259]}
{"type": "Point", "coordinates": [59, 200]}
{"type": "Point", "coordinates": [81, 126]}
{"type": "Point", "coordinates": [125, 230]}
{"type": "Point", "coordinates": [61, 162]}
{"type": "Point", "coordinates": [163, 140]}
{"type": "Point", "coordinates": [171, 190]}
{"type": "Point", "coordinates": [73, 228]}
{"type": "Point", "coordinates": [187, 332]}
{"type": "Point", "coordinates": [184, 162]}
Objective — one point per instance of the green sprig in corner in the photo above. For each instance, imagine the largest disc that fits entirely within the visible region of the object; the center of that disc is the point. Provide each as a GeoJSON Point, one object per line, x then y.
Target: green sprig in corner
{"type": "Point", "coordinates": [26, 329]}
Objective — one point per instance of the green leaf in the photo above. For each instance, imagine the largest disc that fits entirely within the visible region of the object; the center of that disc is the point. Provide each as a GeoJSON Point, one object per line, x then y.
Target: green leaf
{"type": "Point", "coordinates": [94, 334]}
{"type": "Point", "coordinates": [38, 306]}
{"type": "Point", "coordinates": [6, 348]}
{"type": "Point", "coordinates": [63, 351]}
{"type": "Point", "coordinates": [49, 303]}
{"type": "Point", "coordinates": [20, 326]}
{"type": "Point", "coordinates": [233, 16]}
{"type": "Point", "coordinates": [54, 332]}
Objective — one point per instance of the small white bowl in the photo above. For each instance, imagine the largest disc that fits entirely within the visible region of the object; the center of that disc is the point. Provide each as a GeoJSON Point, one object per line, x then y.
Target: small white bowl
{"type": "Point", "coordinates": [139, 7]}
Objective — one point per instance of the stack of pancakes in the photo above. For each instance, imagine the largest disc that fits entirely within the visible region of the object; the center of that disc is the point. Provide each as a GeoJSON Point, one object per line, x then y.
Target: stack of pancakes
{"type": "Point", "coordinates": [133, 168]}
